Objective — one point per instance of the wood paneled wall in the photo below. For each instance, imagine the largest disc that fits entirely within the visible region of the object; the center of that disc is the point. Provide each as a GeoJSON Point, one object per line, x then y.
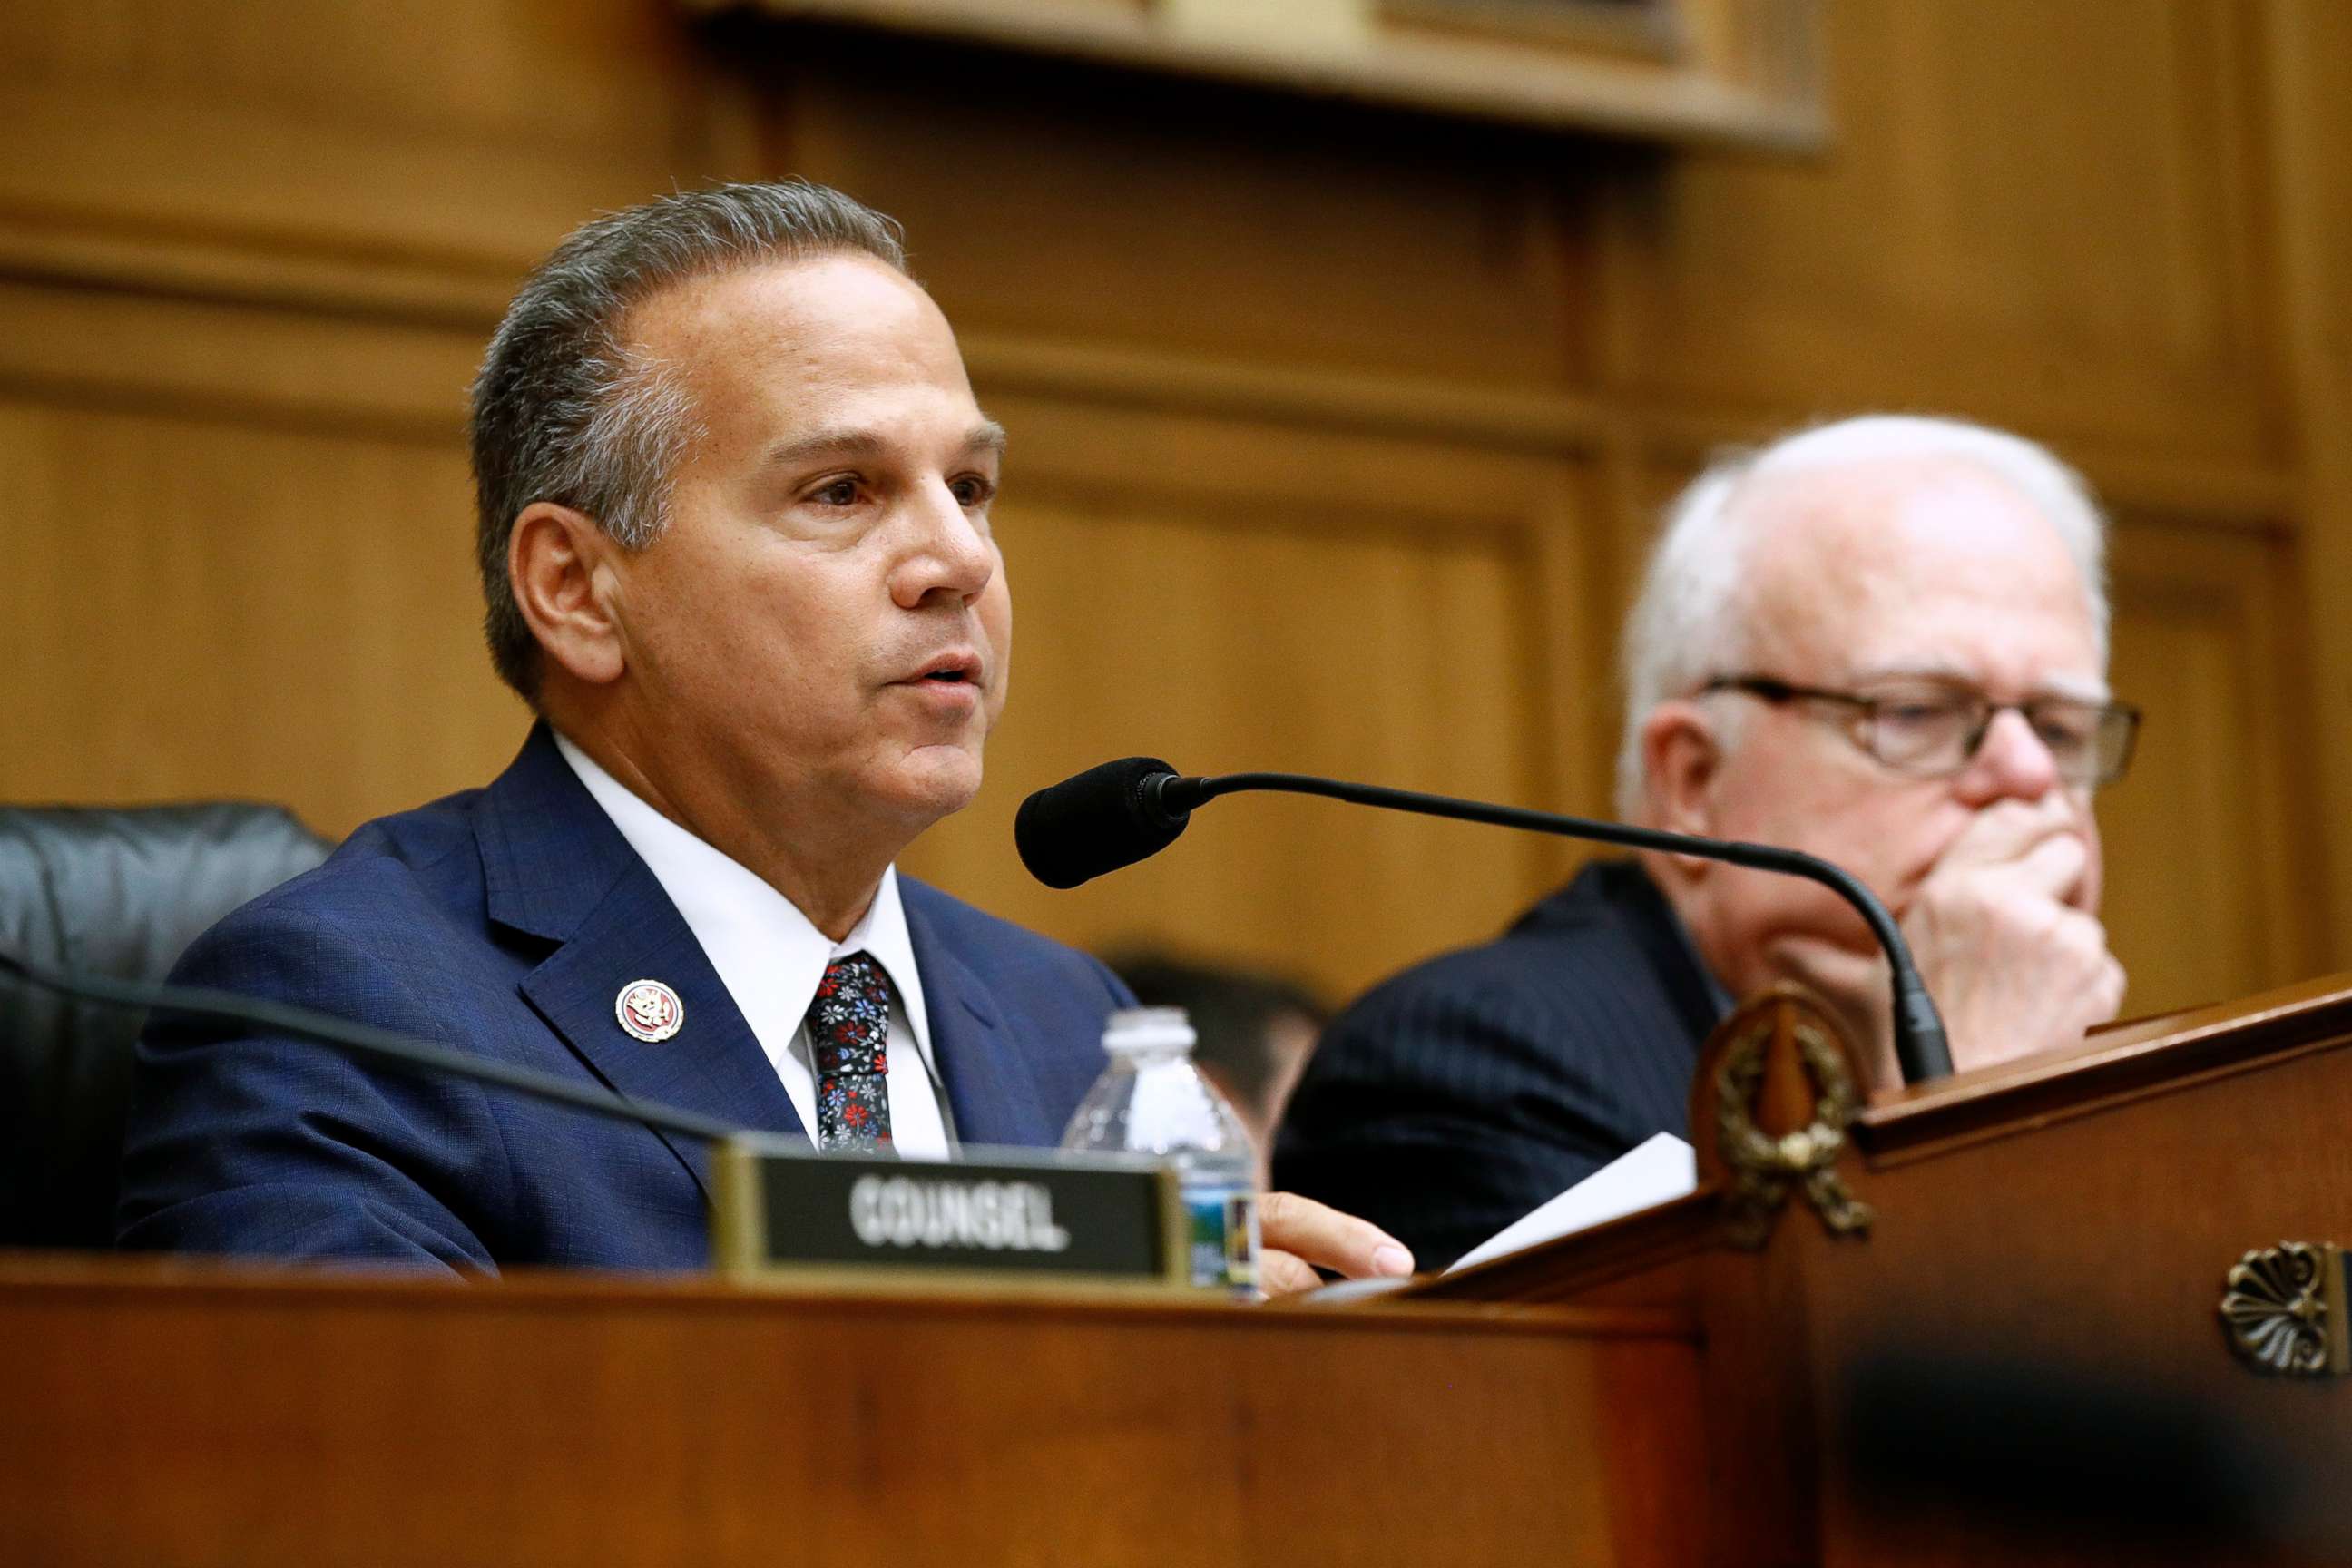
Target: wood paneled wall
{"type": "Point", "coordinates": [1337, 434]}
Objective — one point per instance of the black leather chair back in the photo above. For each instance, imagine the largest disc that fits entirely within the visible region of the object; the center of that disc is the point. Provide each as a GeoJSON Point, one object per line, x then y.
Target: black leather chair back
{"type": "Point", "coordinates": [120, 893]}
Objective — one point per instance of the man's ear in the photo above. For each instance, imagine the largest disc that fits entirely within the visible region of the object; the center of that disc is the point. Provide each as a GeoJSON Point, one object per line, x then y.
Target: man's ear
{"type": "Point", "coordinates": [1681, 755]}
{"type": "Point", "coordinates": [558, 562]}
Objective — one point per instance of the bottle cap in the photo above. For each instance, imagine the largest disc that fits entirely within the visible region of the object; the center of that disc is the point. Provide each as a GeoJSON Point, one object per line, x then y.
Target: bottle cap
{"type": "Point", "coordinates": [1148, 1029]}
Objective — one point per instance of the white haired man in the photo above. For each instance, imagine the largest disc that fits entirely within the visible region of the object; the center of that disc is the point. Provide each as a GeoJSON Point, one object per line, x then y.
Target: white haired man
{"type": "Point", "coordinates": [1883, 641]}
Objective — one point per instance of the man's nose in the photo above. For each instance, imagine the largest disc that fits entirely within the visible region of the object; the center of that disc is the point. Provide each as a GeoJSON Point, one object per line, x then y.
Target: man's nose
{"type": "Point", "coordinates": [950, 555]}
{"type": "Point", "coordinates": [2011, 761]}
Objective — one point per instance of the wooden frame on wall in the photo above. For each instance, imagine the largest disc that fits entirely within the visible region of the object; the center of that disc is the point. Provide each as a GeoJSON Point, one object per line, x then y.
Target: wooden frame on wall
{"type": "Point", "coordinates": [1743, 72]}
{"type": "Point", "coordinates": [1654, 29]}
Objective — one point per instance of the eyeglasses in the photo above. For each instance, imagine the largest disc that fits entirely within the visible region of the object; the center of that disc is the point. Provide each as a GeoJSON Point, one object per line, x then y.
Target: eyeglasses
{"type": "Point", "coordinates": [1932, 731]}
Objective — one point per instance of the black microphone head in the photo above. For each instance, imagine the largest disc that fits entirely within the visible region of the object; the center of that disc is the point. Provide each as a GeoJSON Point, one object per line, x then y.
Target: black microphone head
{"type": "Point", "coordinates": [1098, 821]}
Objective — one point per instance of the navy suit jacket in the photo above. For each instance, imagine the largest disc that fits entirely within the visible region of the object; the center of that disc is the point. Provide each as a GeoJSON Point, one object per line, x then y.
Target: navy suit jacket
{"type": "Point", "coordinates": [506, 922]}
{"type": "Point", "coordinates": [1457, 1097]}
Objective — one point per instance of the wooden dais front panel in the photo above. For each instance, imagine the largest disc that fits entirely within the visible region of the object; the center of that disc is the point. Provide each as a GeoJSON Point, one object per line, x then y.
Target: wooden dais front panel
{"type": "Point", "coordinates": [162, 1413]}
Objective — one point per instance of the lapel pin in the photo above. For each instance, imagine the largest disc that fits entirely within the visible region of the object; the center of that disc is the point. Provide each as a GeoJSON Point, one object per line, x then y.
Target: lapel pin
{"type": "Point", "coordinates": [649, 1010]}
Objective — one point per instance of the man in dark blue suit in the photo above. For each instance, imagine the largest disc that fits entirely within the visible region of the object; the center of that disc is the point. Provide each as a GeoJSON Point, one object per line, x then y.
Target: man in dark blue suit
{"type": "Point", "coordinates": [1883, 641]}
{"type": "Point", "coordinates": [733, 532]}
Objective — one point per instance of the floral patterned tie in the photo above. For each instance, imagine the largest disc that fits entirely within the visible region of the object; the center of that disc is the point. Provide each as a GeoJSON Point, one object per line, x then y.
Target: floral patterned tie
{"type": "Point", "coordinates": [849, 1034]}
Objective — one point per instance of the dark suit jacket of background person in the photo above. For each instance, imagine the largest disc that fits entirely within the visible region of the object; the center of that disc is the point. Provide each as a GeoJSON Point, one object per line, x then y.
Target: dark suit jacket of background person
{"type": "Point", "coordinates": [505, 920]}
{"type": "Point", "coordinates": [1457, 1097]}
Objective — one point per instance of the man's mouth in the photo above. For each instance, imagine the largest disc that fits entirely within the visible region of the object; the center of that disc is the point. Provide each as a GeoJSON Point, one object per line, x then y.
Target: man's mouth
{"type": "Point", "coordinates": [959, 669]}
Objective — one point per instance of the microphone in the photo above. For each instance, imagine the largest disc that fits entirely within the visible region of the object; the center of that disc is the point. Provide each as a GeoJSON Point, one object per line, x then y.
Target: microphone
{"type": "Point", "coordinates": [1115, 815]}
{"type": "Point", "coordinates": [1104, 819]}
{"type": "Point", "coordinates": [402, 1053]}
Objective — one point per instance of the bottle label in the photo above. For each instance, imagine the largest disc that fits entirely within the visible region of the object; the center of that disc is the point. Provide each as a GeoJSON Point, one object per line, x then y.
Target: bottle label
{"type": "Point", "coordinates": [1224, 1236]}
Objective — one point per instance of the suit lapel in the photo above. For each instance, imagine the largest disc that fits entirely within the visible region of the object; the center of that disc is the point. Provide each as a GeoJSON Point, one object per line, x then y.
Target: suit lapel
{"type": "Point", "coordinates": [990, 1085]}
{"type": "Point", "coordinates": [713, 1064]}
{"type": "Point", "coordinates": [555, 867]}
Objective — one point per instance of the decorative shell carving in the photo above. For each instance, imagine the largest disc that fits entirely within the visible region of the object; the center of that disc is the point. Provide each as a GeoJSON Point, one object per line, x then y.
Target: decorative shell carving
{"type": "Point", "coordinates": [2276, 1308]}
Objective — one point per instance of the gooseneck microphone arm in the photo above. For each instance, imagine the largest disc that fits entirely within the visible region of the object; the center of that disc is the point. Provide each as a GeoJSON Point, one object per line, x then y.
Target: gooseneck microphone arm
{"type": "Point", "coordinates": [1121, 812]}
{"type": "Point", "coordinates": [402, 1053]}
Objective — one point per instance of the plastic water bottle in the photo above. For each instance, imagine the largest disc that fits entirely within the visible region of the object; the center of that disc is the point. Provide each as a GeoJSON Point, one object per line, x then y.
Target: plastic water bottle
{"type": "Point", "coordinates": [1152, 1100]}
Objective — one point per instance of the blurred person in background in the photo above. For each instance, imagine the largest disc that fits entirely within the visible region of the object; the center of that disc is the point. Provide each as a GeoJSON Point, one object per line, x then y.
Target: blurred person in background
{"type": "Point", "coordinates": [1883, 641]}
{"type": "Point", "coordinates": [1255, 1030]}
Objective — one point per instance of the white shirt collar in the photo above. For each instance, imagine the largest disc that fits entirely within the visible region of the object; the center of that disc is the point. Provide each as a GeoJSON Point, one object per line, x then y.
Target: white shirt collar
{"type": "Point", "coordinates": [769, 954]}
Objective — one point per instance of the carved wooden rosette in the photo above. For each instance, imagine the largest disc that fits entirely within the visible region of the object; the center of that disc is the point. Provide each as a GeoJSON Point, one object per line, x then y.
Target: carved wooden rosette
{"type": "Point", "coordinates": [1774, 1094]}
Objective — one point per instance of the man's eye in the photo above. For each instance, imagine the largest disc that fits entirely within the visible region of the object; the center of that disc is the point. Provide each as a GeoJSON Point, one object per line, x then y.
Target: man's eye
{"type": "Point", "coordinates": [973, 490]}
{"type": "Point", "coordinates": [1916, 715]}
{"type": "Point", "coordinates": [2065, 732]}
{"type": "Point", "coordinates": [840, 492]}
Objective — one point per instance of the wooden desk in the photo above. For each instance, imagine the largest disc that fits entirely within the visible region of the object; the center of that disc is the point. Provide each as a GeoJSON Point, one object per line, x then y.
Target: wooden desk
{"type": "Point", "coordinates": [2022, 1360]}
{"type": "Point", "coordinates": [161, 1414]}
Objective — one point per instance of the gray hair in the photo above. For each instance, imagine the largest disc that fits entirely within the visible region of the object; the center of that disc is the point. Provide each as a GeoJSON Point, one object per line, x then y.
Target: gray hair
{"type": "Point", "coordinates": [1689, 623]}
{"type": "Point", "coordinates": [565, 410]}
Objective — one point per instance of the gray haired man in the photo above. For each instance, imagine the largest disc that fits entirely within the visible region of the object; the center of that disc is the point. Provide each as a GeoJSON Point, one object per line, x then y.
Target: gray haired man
{"type": "Point", "coordinates": [1883, 641]}
{"type": "Point", "coordinates": [737, 549]}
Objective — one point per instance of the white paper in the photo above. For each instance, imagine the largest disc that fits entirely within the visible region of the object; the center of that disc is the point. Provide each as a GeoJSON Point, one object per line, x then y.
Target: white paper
{"type": "Point", "coordinates": [1654, 1172]}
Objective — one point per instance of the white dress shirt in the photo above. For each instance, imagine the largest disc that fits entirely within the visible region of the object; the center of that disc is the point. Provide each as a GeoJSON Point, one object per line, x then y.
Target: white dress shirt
{"type": "Point", "coordinates": [770, 959]}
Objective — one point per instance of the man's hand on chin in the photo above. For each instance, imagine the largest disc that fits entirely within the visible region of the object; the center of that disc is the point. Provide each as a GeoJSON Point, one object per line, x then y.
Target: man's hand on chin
{"type": "Point", "coordinates": [2004, 939]}
{"type": "Point", "coordinates": [1299, 1236]}
{"type": "Point", "coordinates": [2016, 963]}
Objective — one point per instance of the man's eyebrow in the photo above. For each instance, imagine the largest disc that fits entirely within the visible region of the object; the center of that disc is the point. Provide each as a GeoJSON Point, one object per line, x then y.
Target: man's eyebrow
{"type": "Point", "coordinates": [985, 437]}
{"type": "Point", "coordinates": [844, 443]}
{"type": "Point", "coordinates": [2074, 691]}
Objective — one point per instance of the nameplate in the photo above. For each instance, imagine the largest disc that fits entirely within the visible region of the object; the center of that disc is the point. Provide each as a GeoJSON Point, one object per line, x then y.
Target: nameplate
{"type": "Point", "coordinates": [990, 1215]}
